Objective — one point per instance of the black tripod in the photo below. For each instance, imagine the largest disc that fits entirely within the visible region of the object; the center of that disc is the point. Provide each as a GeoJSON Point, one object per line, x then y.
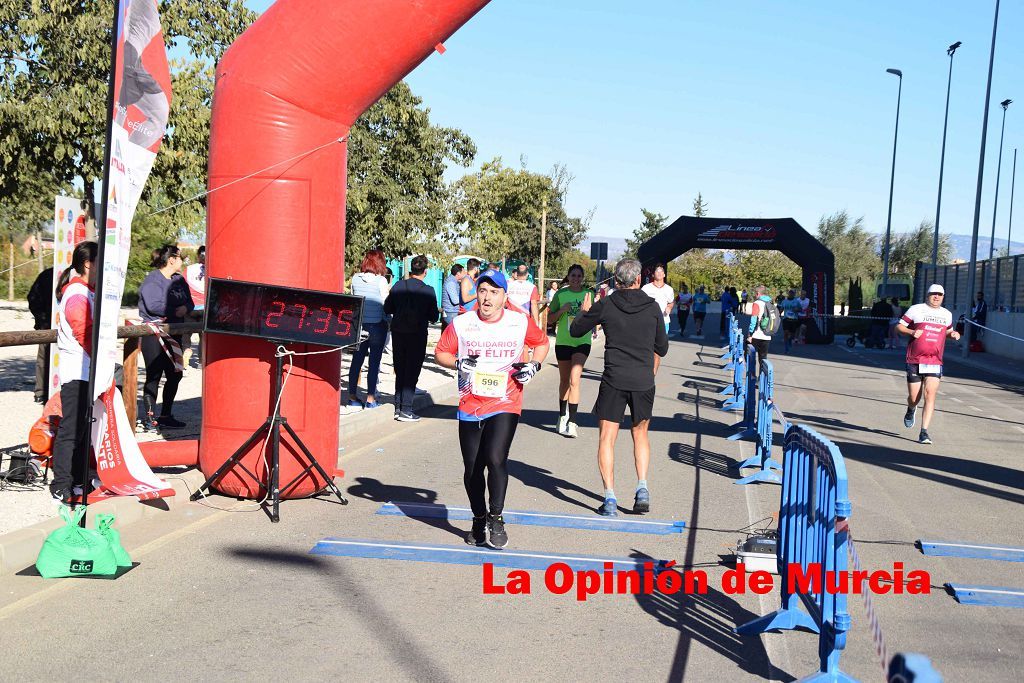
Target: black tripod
{"type": "Point", "coordinates": [273, 425]}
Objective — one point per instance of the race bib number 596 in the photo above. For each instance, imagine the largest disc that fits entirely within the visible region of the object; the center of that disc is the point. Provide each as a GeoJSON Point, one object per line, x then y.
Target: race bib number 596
{"type": "Point", "coordinates": [489, 384]}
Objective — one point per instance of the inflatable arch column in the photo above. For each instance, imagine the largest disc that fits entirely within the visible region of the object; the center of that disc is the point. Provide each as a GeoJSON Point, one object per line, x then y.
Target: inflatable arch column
{"type": "Point", "coordinates": [294, 82]}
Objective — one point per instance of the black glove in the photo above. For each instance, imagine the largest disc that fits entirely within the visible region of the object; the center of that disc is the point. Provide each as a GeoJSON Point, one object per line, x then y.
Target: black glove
{"type": "Point", "coordinates": [466, 364]}
{"type": "Point", "coordinates": [524, 372]}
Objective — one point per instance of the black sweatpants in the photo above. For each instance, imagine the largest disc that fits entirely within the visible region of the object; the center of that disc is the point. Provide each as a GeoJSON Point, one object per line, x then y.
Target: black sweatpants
{"type": "Point", "coordinates": [69, 456]}
{"type": "Point", "coordinates": [158, 364]}
{"type": "Point", "coordinates": [408, 349]}
{"type": "Point", "coordinates": [485, 444]}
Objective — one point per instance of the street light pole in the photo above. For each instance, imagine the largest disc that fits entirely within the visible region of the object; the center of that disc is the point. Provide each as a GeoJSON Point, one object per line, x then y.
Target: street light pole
{"type": "Point", "coordinates": [942, 159]}
{"type": "Point", "coordinates": [892, 182]}
{"type": "Point", "coordinates": [1013, 182]}
{"type": "Point", "coordinates": [965, 349]}
{"type": "Point", "coordinates": [999, 168]}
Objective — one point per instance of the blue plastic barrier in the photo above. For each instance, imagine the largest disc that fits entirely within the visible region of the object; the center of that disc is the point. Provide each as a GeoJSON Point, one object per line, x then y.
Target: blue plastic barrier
{"type": "Point", "coordinates": [766, 411]}
{"type": "Point", "coordinates": [735, 343]}
{"type": "Point", "coordinates": [813, 514]}
{"type": "Point", "coordinates": [748, 424]}
{"type": "Point", "coordinates": [737, 389]}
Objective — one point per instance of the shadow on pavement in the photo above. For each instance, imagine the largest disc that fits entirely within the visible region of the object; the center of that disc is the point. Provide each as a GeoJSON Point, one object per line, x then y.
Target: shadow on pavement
{"type": "Point", "coordinates": [942, 469]}
{"type": "Point", "coordinates": [715, 463]}
{"type": "Point", "coordinates": [709, 620]}
{"type": "Point", "coordinates": [543, 480]}
{"type": "Point", "coordinates": [400, 644]}
{"type": "Point", "coordinates": [368, 488]}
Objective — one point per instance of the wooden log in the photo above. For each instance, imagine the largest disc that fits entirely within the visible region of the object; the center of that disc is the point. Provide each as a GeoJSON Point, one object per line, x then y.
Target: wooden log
{"type": "Point", "coordinates": [32, 337]}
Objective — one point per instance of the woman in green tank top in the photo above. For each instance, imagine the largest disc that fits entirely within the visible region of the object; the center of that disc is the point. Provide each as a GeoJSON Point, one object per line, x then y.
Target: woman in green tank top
{"type": "Point", "coordinates": [570, 351]}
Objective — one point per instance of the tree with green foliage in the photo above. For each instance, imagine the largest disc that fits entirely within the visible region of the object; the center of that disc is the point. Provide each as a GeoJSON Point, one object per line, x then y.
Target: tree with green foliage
{"type": "Point", "coordinates": [907, 248]}
{"type": "Point", "coordinates": [652, 224]}
{"type": "Point", "coordinates": [498, 210]}
{"type": "Point", "coordinates": [397, 196]}
{"type": "Point", "coordinates": [772, 269]}
{"type": "Point", "coordinates": [700, 207]}
{"type": "Point", "coordinates": [854, 248]}
{"type": "Point", "coordinates": [53, 79]}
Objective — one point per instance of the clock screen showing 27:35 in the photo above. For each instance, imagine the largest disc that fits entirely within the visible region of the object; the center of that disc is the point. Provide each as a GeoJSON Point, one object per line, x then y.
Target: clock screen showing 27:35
{"type": "Point", "coordinates": [283, 313]}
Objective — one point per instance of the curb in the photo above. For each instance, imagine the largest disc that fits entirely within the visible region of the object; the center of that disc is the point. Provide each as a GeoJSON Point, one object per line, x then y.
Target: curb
{"type": "Point", "coordinates": [19, 548]}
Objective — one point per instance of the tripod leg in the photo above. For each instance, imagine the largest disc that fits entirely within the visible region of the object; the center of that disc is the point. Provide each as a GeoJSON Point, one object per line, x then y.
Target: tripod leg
{"type": "Point", "coordinates": [231, 461]}
{"type": "Point", "coordinates": [275, 470]}
{"type": "Point", "coordinates": [316, 465]}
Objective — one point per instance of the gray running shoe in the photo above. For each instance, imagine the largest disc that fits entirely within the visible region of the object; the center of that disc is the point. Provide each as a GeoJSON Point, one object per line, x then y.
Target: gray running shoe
{"type": "Point", "coordinates": [642, 502]}
{"type": "Point", "coordinates": [910, 418]}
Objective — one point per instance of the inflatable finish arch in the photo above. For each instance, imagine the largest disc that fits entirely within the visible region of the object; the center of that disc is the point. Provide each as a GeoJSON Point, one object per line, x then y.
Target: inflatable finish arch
{"type": "Point", "coordinates": [295, 81]}
{"type": "Point", "coordinates": [781, 234]}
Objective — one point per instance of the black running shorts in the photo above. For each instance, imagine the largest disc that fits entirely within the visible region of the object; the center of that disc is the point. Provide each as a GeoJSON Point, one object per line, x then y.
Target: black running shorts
{"type": "Point", "coordinates": [566, 352]}
{"type": "Point", "coordinates": [611, 404]}
{"type": "Point", "coordinates": [914, 374]}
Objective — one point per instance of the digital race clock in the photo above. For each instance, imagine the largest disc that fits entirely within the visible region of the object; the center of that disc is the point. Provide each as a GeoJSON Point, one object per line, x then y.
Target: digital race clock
{"type": "Point", "coordinates": [282, 313]}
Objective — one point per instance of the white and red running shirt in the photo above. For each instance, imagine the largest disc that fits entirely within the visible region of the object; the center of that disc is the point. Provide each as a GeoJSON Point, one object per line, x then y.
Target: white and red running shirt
{"type": "Point", "coordinates": [490, 389]}
{"type": "Point", "coordinates": [935, 322]}
{"type": "Point", "coordinates": [74, 331]}
{"type": "Point", "coordinates": [522, 293]}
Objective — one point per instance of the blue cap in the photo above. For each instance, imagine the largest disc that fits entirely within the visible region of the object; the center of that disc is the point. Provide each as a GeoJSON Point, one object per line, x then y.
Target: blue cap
{"type": "Point", "coordinates": [495, 277]}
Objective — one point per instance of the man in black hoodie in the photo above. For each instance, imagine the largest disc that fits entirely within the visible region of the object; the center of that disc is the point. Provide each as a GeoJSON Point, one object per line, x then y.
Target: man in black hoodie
{"type": "Point", "coordinates": [413, 303]}
{"type": "Point", "coordinates": [635, 341]}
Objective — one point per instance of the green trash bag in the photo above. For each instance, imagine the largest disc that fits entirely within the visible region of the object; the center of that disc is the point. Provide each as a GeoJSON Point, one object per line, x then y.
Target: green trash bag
{"type": "Point", "coordinates": [74, 551]}
{"type": "Point", "coordinates": [105, 525]}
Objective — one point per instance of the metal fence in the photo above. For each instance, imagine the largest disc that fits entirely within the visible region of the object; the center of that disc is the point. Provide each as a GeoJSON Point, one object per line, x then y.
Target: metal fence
{"type": "Point", "coordinates": [1002, 280]}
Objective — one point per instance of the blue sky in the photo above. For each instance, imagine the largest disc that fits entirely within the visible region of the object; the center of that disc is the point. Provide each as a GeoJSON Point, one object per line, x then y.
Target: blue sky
{"type": "Point", "coordinates": [768, 109]}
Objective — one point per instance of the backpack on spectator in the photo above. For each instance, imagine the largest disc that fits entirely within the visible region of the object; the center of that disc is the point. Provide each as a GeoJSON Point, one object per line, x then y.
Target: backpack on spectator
{"type": "Point", "coordinates": [769, 320]}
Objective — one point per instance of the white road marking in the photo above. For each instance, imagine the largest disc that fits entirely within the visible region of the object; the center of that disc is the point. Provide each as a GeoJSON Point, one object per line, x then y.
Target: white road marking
{"type": "Point", "coordinates": [978, 547]}
{"type": "Point", "coordinates": [954, 398]}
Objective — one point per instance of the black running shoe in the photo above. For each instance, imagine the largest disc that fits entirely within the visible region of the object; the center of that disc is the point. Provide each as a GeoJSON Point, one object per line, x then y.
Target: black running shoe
{"type": "Point", "coordinates": [61, 496]}
{"type": "Point", "coordinates": [406, 416]}
{"type": "Point", "coordinates": [478, 534]}
{"type": "Point", "coordinates": [168, 422]}
{"type": "Point", "coordinates": [496, 536]}
{"type": "Point", "coordinates": [924, 438]}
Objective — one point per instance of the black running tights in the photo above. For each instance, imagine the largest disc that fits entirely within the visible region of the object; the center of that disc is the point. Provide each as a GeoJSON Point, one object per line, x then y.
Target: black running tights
{"type": "Point", "coordinates": [485, 444]}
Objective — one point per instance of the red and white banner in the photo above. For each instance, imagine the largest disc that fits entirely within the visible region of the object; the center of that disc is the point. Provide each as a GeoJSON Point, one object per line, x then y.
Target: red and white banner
{"type": "Point", "coordinates": [142, 101]}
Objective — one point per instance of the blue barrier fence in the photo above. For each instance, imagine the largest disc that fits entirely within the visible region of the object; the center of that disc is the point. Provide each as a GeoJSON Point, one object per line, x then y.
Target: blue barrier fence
{"type": "Point", "coordinates": [748, 425]}
{"type": "Point", "coordinates": [813, 527]}
{"type": "Point", "coordinates": [813, 518]}
{"type": "Point", "coordinates": [768, 469]}
{"type": "Point", "coordinates": [736, 390]}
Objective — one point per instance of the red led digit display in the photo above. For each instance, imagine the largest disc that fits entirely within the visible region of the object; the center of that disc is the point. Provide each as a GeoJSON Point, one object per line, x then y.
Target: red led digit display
{"type": "Point", "coordinates": [282, 313]}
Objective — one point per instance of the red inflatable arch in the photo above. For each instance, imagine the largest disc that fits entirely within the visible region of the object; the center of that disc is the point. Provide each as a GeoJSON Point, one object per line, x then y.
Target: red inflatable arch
{"type": "Point", "coordinates": [294, 82]}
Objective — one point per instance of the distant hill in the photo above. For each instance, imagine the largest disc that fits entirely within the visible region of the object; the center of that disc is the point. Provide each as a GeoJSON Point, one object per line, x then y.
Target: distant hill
{"type": "Point", "coordinates": [962, 244]}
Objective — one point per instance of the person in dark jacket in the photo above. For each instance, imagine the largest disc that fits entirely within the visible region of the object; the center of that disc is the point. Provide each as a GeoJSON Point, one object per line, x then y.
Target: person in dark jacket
{"type": "Point", "coordinates": [163, 298]}
{"type": "Point", "coordinates": [412, 305]}
{"type": "Point", "coordinates": [635, 342]}
{"type": "Point", "coordinates": [40, 303]}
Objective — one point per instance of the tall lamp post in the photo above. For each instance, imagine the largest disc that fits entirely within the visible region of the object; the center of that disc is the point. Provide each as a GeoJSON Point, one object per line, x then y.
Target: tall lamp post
{"type": "Point", "coordinates": [999, 167]}
{"type": "Point", "coordinates": [972, 269]}
{"type": "Point", "coordinates": [942, 159]}
{"type": "Point", "coordinates": [892, 182]}
{"type": "Point", "coordinates": [1009, 228]}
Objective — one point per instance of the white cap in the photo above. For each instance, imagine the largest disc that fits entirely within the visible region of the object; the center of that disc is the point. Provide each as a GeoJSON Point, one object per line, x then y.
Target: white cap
{"type": "Point", "coordinates": [936, 289]}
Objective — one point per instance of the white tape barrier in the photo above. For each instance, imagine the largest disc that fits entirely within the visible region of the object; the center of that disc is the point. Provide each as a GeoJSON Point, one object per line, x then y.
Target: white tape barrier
{"type": "Point", "coordinates": [989, 329]}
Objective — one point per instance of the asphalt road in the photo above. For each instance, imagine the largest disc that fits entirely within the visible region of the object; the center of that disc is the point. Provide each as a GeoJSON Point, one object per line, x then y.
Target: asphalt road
{"type": "Point", "coordinates": [229, 596]}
